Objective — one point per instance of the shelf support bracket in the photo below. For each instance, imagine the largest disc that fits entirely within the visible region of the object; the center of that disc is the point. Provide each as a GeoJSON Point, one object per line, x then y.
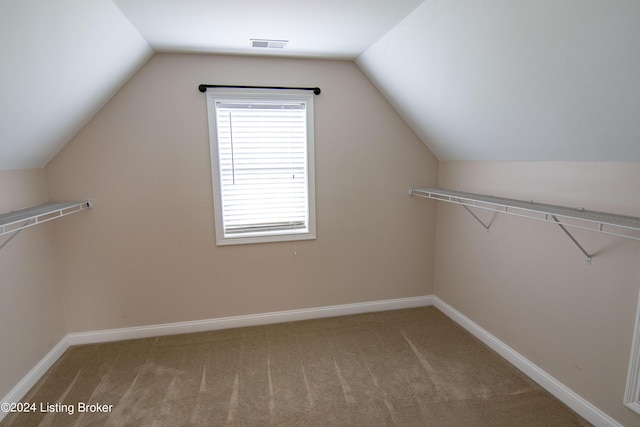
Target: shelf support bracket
{"type": "Point", "coordinates": [6, 242]}
{"type": "Point", "coordinates": [15, 233]}
{"type": "Point", "coordinates": [573, 239]}
{"type": "Point", "coordinates": [486, 227]}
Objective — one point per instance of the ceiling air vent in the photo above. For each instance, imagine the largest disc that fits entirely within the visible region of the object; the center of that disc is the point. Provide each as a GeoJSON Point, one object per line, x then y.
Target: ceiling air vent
{"type": "Point", "coordinates": [270, 44]}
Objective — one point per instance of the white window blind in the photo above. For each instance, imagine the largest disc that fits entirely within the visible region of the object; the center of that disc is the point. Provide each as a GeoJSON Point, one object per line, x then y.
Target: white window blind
{"type": "Point", "coordinates": [262, 151]}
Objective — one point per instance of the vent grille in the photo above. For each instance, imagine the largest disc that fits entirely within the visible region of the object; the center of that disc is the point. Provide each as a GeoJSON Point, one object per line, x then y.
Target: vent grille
{"type": "Point", "coordinates": [269, 44]}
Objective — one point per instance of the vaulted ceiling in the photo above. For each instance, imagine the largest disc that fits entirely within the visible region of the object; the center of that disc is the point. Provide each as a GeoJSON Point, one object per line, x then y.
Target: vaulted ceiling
{"type": "Point", "coordinates": [491, 80]}
{"type": "Point", "coordinates": [516, 80]}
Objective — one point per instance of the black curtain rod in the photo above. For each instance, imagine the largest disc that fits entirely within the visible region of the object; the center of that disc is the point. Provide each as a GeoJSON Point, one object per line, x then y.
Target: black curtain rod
{"type": "Point", "coordinates": [316, 90]}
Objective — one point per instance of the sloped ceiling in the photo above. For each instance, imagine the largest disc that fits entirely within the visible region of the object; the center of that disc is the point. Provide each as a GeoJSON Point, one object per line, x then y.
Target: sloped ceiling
{"type": "Point", "coordinates": [490, 80]}
{"type": "Point", "coordinates": [516, 80]}
{"type": "Point", "coordinates": [61, 61]}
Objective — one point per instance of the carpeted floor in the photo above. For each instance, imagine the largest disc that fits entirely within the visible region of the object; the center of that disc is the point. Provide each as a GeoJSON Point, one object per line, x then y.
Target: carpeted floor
{"type": "Point", "coordinates": [411, 367]}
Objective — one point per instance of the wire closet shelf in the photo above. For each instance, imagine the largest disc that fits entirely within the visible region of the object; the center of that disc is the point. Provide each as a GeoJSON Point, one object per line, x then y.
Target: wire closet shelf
{"type": "Point", "coordinates": [18, 220]}
{"type": "Point", "coordinates": [601, 222]}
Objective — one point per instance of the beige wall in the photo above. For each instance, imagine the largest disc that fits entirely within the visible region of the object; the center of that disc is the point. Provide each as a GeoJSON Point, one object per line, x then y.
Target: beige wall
{"type": "Point", "coordinates": [146, 253]}
{"type": "Point", "coordinates": [31, 309]}
{"type": "Point", "coordinates": [526, 283]}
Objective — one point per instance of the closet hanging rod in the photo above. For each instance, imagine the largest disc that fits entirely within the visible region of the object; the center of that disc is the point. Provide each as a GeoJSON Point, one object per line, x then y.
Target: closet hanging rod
{"type": "Point", "coordinates": [203, 88]}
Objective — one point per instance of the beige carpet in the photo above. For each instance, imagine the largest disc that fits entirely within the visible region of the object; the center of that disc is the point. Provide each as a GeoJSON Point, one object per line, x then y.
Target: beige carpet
{"type": "Point", "coordinates": [410, 367]}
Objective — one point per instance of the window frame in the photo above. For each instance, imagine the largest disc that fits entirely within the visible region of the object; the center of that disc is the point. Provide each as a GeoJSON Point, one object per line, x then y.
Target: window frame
{"type": "Point", "coordinates": [261, 95]}
{"type": "Point", "coordinates": [632, 390]}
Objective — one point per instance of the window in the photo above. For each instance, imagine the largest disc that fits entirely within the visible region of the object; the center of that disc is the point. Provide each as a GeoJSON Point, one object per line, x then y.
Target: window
{"type": "Point", "coordinates": [262, 165]}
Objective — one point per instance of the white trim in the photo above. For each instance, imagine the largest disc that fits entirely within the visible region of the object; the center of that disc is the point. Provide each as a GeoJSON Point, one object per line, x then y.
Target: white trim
{"type": "Point", "coordinates": [632, 391]}
{"type": "Point", "coordinates": [559, 390]}
{"type": "Point", "coordinates": [555, 387]}
{"type": "Point", "coordinates": [108, 335]}
{"type": "Point", "coordinates": [29, 380]}
{"type": "Point", "coordinates": [92, 337]}
{"type": "Point", "coordinates": [261, 95]}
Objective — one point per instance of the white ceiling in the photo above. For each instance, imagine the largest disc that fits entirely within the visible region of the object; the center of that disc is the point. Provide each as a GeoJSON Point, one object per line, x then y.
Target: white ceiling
{"type": "Point", "coordinates": [491, 80]}
{"type": "Point", "coordinates": [327, 28]}
{"type": "Point", "coordinates": [516, 80]}
{"type": "Point", "coordinates": [61, 61]}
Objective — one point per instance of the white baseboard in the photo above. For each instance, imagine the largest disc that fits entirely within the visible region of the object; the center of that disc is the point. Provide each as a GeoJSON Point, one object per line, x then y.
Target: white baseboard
{"type": "Point", "coordinates": [555, 387]}
{"type": "Point", "coordinates": [559, 390]}
{"type": "Point", "coordinates": [92, 337]}
{"type": "Point", "coordinates": [29, 380]}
